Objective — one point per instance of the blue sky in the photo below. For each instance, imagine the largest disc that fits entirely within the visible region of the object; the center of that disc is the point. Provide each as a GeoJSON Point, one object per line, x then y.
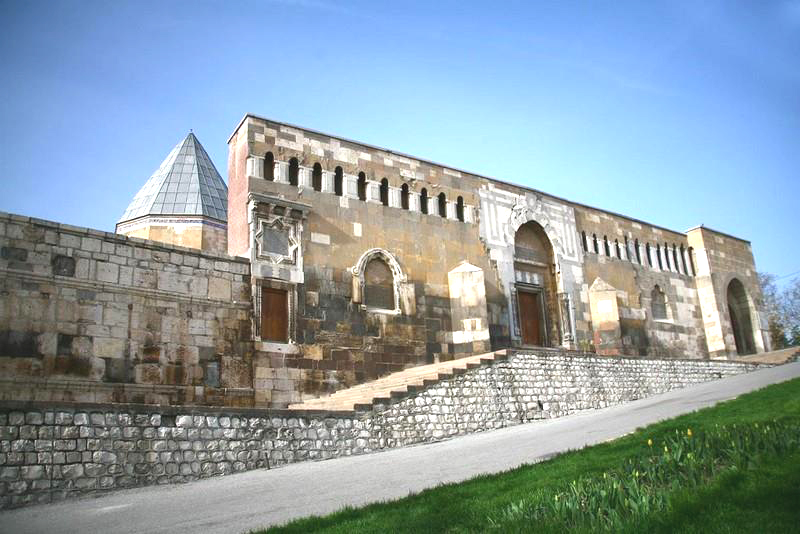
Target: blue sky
{"type": "Point", "coordinates": [678, 113]}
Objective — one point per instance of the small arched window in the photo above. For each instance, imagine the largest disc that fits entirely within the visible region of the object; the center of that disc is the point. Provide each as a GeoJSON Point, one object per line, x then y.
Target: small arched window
{"type": "Point", "coordinates": [658, 257]}
{"type": "Point", "coordinates": [404, 197]}
{"type": "Point", "coordinates": [316, 177]}
{"type": "Point", "coordinates": [683, 261]}
{"type": "Point", "coordinates": [638, 254]}
{"type": "Point", "coordinates": [675, 257]}
{"type": "Point", "coordinates": [269, 167]}
{"type": "Point", "coordinates": [385, 192]}
{"type": "Point", "coordinates": [649, 255]}
{"type": "Point", "coordinates": [616, 249]}
{"type": "Point", "coordinates": [294, 171]}
{"type": "Point", "coordinates": [628, 249]}
{"type": "Point", "coordinates": [658, 303]}
{"type": "Point", "coordinates": [338, 182]}
{"type": "Point", "coordinates": [442, 205]}
{"type": "Point", "coordinates": [605, 246]}
{"type": "Point", "coordinates": [460, 209]}
{"type": "Point", "coordinates": [378, 285]}
{"type": "Point", "coordinates": [583, 240]}
{"type": "Point", "coordinates": [362, 186]}
{"type": "Point", "coordinates": [594, 244]}
{"type": "Point", "coordinates": [691, 260]}
{"type": "Point", "coordinates": [666, 256]}
{"type": "Point", "coordinates": [423, 201]}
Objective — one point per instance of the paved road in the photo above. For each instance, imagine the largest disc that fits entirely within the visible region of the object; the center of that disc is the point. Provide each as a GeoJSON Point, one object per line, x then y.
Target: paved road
{"type": "Point", "coordinates": [238, 503]}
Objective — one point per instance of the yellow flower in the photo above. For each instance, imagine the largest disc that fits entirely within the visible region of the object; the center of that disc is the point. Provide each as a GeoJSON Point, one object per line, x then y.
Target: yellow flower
{"type": "Point", "coordinates": [649, 442]}
{"type": "Point", "coordinates": [666, 449]}
{"type": "Point", "coordinates": [689, 432]}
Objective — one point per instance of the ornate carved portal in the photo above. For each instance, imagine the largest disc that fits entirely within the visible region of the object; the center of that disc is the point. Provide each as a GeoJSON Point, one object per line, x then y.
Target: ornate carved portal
{"type": "Point", "coordinates": [543, 314]}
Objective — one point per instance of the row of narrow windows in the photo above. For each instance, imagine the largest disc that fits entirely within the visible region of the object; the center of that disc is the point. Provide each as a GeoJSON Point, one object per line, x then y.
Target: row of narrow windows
{"type": "Point", "coordinates": [338, 187]}
{"type": "Point", "coordinates": [669, 258]}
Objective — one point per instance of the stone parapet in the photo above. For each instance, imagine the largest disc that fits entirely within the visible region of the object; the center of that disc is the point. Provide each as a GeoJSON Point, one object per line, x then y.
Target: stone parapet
{"type": "Point", "coordinates": [81, 307]}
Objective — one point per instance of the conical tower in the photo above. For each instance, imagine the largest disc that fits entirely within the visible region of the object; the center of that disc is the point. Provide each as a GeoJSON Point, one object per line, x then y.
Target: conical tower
{"type": "Point", "coordinates": [185, 202]}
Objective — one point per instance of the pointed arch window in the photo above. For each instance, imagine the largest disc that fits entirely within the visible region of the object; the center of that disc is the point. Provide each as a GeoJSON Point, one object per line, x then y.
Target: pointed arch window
{"type": "Point", "coordinates": [658, 304]}
{"type": "Point", "coordinates": [605, 246]}
{"type": "Point", "coordinates": [338, 182]}
{"type": "Point", "coordinates": [460, 209]}
{"type": "Point", "coordinates": [316, 177]}
{"type": "Point", "coordinates": [362, 186]}
{"type": "Point", "coordinates": [385, 192]}
{"type": "Point", "coordinates": [616, 249]}
{"type": "Point", "coordinates": [683, 261]}
{"type": "Point", "coordinates": [594, 244]}
{"type": "Point", "coordinates": [442, 205]}
{"type": "Point", "coordinates": [666, 256]}
{"type": "Point", "coordinates": [404, 197]}
{"type": "Point", "coordinates": [423, 201]}
{"type": "Point", "coordinates": [269, 167]}
{"type": "Point", "coordinates": [649, 254]}
{"type": "Point", "coordinates": [294, 171]}
{"type": "Point", "coordinates": [585, 243]}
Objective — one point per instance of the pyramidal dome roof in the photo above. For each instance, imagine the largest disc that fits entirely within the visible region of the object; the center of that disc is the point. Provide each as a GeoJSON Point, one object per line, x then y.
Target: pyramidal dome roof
{"type": "Point", "coordinates": [186, 183]}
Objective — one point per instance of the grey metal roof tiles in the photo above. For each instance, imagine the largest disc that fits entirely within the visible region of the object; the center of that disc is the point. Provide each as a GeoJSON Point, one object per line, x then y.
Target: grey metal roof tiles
{"type": "Point", "coordinates": [186, 183]}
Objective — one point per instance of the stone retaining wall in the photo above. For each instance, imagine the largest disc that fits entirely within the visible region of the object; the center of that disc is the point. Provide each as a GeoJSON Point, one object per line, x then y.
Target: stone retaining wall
{"type": "Point", "coordinates": [51, 452]}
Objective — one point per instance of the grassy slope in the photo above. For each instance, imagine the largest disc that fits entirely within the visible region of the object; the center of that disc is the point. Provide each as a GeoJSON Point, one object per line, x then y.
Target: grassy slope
{"type": "Point", "coordinates": [765, 499]}
{"type": "Point", "coordinates": [750, 501]}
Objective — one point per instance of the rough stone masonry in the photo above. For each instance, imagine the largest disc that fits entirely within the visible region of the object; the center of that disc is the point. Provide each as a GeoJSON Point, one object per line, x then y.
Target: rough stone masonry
{"type": "Point", "coordinates": [51, 451]}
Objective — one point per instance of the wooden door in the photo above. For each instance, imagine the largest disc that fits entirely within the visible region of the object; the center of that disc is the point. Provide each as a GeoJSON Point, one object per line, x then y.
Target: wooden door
{"type": "Point", "coordinates": [530, 317]}
{"type": "Point", "coordinates": [274, 315]}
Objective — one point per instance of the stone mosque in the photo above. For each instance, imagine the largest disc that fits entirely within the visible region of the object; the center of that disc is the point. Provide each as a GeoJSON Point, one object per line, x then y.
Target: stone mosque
{"type": "Point", "coordinates": [326, 262]}
{"type": "Point", "coordinates": [337, 298]}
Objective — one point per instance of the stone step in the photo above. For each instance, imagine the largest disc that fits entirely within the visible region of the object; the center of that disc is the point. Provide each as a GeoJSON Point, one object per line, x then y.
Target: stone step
{"type": "Point", "coordinates": [396, 385]}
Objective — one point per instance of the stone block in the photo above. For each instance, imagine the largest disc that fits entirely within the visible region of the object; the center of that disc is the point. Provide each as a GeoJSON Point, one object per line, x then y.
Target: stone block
{"type": "Point", "coordinates": [219, 289]}
{"type": "Point", "coordinates": [184, 421]}
{"type": "Point", "coordinates": [32, 472]}
{"type": "Point", "coordinates": [107, 272]}
{"type": "Point", "coordinates": [104, 457]}
{"type": "Point", "coordinates": [148, 373]}
{"type": "Point", "coordinates": [9, 473]}
{"type": "Point", "coordinates": [118, 370]}
{"type": "Point", "coordinates": [108, 347]}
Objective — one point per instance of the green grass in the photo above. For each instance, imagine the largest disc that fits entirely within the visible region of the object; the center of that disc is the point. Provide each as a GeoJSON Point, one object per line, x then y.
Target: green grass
{"type": "Point", "coordinates": [763, 498]}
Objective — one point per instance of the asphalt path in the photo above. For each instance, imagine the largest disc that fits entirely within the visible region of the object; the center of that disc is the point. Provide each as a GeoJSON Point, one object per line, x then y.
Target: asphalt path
{"type": "Point", "coordinates": [241, 502]}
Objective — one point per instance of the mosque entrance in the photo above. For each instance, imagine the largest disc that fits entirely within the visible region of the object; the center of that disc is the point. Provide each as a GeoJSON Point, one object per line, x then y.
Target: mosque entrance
{"type": "Point", "coordinates": [535, 286]}
{"type": "Point", "coordinates": [531, 317]}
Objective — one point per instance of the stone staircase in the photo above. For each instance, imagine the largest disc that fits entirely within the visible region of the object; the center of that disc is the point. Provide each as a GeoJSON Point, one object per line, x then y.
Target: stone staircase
{"type": "Point", "coordinates": [396, 385]}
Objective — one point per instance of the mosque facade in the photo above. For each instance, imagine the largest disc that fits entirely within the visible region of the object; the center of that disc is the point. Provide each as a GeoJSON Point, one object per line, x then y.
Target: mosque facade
{"type": "Point", "coordinates": [325, 263]}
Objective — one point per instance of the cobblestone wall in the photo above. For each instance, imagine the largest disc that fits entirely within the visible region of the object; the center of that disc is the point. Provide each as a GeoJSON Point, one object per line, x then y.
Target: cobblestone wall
{"type": "Point", "coordinates": [51, 452]}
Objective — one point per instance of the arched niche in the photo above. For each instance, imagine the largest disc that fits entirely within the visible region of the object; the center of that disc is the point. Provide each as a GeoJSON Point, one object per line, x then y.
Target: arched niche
{"type": "Point", "coordinates": [362, 269]}
{"type": "Point", "coordinates": [740, 317]}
